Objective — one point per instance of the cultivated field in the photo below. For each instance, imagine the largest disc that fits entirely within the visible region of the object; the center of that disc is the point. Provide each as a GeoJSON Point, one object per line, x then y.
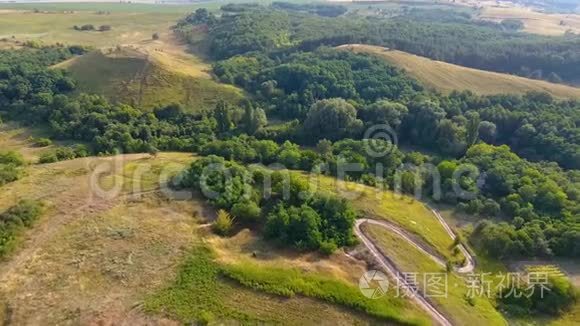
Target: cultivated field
{"type": "Point", "coordinates": [534, 21]}
{"type": "Point", "coordinates": [446, 77]}
{"type": "Point", "coordinates": [57, 27]}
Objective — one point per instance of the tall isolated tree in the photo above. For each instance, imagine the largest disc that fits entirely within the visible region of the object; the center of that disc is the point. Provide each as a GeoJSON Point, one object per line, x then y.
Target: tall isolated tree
{"type": "Point", "coordinates": [253, 119]}
{"type": "Point", "coordinates": [223, 116]}
{"type": "Point", "coordinates": [473, 121]}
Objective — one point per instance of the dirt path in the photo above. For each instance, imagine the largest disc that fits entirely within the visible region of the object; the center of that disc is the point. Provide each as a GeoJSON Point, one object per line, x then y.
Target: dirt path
{"type": "Point", "coordinates": [389, 266]}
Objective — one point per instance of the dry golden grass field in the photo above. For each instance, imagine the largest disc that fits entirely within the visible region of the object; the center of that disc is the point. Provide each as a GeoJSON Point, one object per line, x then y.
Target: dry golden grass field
{"type": "Point", "coordinates": [57, 26]}
{"type": "Point", "coordinates": [446, 77]}
{"type": "Point", "coordinates": [534, 21]}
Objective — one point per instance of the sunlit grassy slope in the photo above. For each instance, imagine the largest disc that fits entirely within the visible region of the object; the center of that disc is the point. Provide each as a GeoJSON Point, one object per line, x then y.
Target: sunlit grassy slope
{"type": "Point", "coordinates": [147, 79]}
{"type": "Point", "coordinates": [446, 77]}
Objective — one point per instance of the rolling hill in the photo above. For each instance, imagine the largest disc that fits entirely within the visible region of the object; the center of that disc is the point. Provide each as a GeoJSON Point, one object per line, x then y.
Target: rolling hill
{"type": "Point", "coordinates": [147, 75]}
{"type": "Point", "coordinates": [446, 77]}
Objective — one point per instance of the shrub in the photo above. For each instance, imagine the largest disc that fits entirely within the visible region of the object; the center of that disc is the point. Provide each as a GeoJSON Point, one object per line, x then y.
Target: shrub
{"type": "Point", "coordinates": [42, 142]}
{"type": "Point", "coordinates": [11, 221]}
{"type": "Point", "coordinates": [223, 223]}
{"type": "Point", "coordinates": [8, 173]}
{"type": "Point", "coordinates": [328, 247]}
{"type": "Point", "coordinates": [247, 211]}
{"type": "Point", "coordinates": [47, 157]}
{"type": "Point", "coordinates": [205, 317]}
{"type": "Point", "coordinates": [9, 163]}
{"type": "Point", "coordinates": [11, 157]}
{"type": "Point", "coordinates": [87, 27]}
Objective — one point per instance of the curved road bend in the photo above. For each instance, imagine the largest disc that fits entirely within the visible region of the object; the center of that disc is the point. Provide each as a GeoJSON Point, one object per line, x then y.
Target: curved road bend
{"type": "Point", "coordinates": [389, 267]}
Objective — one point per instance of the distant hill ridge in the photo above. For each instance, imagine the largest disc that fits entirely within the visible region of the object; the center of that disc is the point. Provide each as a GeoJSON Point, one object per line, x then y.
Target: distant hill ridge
{"type": "Point", "coordinates": [445, 77]}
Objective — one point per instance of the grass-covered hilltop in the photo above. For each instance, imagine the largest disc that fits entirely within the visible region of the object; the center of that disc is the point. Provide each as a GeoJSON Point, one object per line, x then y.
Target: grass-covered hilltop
{"type": "Point", "coordinates": [279, 163]}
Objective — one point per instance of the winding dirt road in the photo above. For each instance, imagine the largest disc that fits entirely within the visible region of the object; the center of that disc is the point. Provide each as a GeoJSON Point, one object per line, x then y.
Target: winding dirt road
{"type": "Point", "coordinates": [393, 271]}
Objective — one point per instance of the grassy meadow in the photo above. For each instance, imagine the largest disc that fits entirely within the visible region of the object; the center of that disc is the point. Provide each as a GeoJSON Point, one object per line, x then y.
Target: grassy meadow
{"type": "Point", "coordinates": [57, 27]}
{"type": "Point", "coordinates": [141, 248]}
{"type": "Point", "coordinates": [402, 210]}
{"type": "Point", "coordinates": [445, 77]}
{"type": "Point", "coordinates": [147, 80]}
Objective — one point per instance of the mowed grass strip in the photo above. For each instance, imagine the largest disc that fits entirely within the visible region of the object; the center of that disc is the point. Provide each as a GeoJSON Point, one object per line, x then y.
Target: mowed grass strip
{"type": "Point", "coordinates": [290, 282]}
{"type": "Point", "coordinates": [455, 303]}
{"type": "Point", "coordinates": [445, 77]}
{"type": "Point", "coordinates": [201, 294]}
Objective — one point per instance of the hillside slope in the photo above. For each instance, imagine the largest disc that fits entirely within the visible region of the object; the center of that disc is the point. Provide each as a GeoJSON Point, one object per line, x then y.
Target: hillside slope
{"type": "Point", "coordinates": [114, 259]}
{"type": "Point", "coordinates": [148, 75]}
{"type": "Point", "coordinates": [446, 77]}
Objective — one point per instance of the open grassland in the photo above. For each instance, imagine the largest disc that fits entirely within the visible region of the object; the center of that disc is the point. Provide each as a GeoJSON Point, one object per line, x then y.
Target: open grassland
{"type": "Point", "coordinates": [454, 302]}
{"type": "Point", "coordinates": [446, 77]}
{"type": "Point", "coordinates": [201, 293]}
{"type": "Point", "coordinates": [246, 247]}
{"type": "Point", "coordinates": [17, 138]}
{"type": "Point", "coordinates": [291, 281]}
{"type": "Point", "coordinates": [110, 6]}
{"type": "Point", "coordinates": [57, 27]}
{"type": "Point", "coordinates": [150, 74]}
{"type": "Point", "coordinates": [90, 257]}
{"type": "Point", "coordinates": [534, 21]}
